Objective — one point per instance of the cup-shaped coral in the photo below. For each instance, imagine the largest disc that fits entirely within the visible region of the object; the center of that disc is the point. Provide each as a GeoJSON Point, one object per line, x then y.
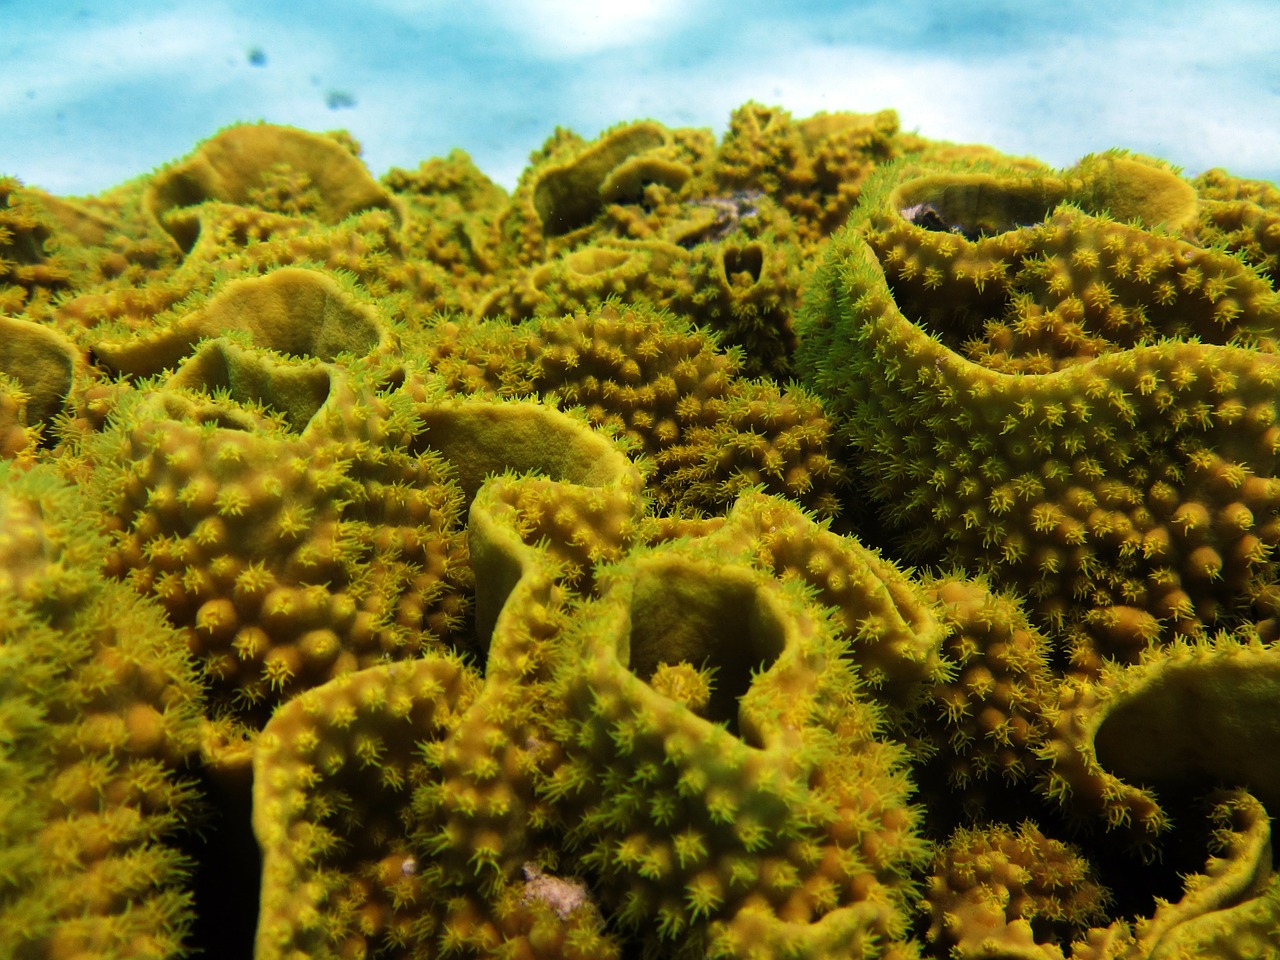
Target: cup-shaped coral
{"type": "Point", "coordinates": [559, 197]}
{"type": "Point", "coordinates": [767, 815]}
{"type": "Point", "coordinates": [1187, 713]}
{"type": "Point", "coordinates": [693, 689]}
{"type": "Point", "coordinates": [1082, 407]}
{"type": "Point", "coordinates": [1230, 909]}
{"type": "Point", "coordinates": [45, 366]}
{"type": "Point", "coordinates": [479, 822]}
{"type": "Point", "coordinates": [272, 167]}
{"type": "Point", "coordinates": [303, 313]}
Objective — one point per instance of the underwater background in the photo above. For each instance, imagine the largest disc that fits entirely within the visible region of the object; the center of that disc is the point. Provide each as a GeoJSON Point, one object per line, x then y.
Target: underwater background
{"type": "Point", "coordinates": [93, 94]}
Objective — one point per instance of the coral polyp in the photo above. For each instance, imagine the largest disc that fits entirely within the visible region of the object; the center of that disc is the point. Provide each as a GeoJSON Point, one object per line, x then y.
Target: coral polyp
{"type": "Point", "coordinates": [820, 542]}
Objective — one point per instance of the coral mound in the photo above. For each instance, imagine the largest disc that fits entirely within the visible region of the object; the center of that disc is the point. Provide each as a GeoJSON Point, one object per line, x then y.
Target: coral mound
{"type": "Point", "coordinates": [773, 816]}
{"type": "Point", "coordinates": [100, 710]}
{"type": "Point", "coordinates": [1048, 379]}
{"type": "Point", "coordinates": [814, 543]}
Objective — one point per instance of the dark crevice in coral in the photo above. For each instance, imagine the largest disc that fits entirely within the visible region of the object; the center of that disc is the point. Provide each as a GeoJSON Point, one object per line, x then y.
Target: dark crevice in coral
{"type": "Point", "coordinates": [955, 324]}
{"type": "Point", "coordinates": [749, 260]}
{"type": "Point", "coordinates": [974, 207]}
{"type": "Point", "coordinates": [225, 883]}
{"type": "Point", "coordinates": [1134, 883]}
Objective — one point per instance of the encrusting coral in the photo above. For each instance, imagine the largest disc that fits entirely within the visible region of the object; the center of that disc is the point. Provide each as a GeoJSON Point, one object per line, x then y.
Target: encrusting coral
{"type": "Point", "coordinates": [709, 432]}
{"type": "Point", "coordinates": [1015, 887]}
{"type": "Point", "coordinates": [1242, 216]}
{"type": "Point", "coordinates": [475, 558]}
{"type": "Point", "coordinates": [280, 514]}
{"type": "Point", "coordinates": [983, 725]}
{"type": "Point", "coordinates": [1044, 380]}
{"type": "Point", "coordinates": [100, 710]}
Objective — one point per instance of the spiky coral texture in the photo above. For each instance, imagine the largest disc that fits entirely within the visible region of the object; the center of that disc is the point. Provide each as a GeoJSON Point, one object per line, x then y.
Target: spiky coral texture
{"type": "Point", "coordinates": [334, 773]}
{"type": "Point", "coordinates": [286, 523]}
{"type": "Point", "coordinates": [710, 432]}
{"type": "Point", "coordinates": [1129, 487]}
{"type": "Point", "coordinates": [1015, 887]}
{"type": "Point", "coordinates": [773, 817]}
{"type": "Point", "coordinates": [100, 710]}
{"type": "Point", "coordinates": [323, 289]}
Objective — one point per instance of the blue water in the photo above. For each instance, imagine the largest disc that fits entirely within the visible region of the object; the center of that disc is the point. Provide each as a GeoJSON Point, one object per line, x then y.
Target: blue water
{"type": "Point", "coordinates": [94, 93]}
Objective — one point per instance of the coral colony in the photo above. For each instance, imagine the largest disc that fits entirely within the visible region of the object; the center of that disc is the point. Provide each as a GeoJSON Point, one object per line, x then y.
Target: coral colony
{"type": "Point", "coordinates": [821, 543]}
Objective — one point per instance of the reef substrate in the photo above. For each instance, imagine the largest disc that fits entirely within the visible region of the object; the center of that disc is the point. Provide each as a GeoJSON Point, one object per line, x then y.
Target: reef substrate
{"type": "Point", "coordinates": [823, 542]}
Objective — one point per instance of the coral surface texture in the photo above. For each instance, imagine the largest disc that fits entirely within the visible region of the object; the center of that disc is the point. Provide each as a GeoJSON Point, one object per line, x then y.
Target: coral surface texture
{"type": "Point", "coordinates": [816, 543]}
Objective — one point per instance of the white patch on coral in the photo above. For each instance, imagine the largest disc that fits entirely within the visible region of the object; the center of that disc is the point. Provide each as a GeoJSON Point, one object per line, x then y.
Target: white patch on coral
{"type": "Point", "coordinates": [562, 896]}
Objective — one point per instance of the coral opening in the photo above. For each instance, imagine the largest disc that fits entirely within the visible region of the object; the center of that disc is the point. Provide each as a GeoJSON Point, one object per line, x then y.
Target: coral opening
{"type": "Point", "coordinates": [974, 205]}
{"type": "Point", "coordinates": [720, 624]}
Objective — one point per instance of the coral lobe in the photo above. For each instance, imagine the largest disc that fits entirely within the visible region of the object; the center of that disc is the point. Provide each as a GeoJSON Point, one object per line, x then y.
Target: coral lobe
{"type": "Point", "coordinates": [820, 543]}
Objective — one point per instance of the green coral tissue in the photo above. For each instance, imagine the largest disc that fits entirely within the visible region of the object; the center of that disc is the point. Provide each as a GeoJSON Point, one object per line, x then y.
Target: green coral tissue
{"type": "Point", "coordinates": [817, 543]}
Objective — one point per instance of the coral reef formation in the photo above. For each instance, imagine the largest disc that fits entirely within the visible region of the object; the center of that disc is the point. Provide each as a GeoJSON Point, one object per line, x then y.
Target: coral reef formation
{"type": "Point", "coordinates": [333, 773]}
{"type": "Point", "coordinates": [100, 708]}
{"type": "Point", "coordinates": [777, 817]}
{"type": "Point", "coordinates": [1050, 379]}
{"type": "Point", "coordinates": [985, 724]}
{"type": "Point", "coordinates": [709, 432]}
{"type": "Point", "coordinates": [823, 542]}
{"type": "Point", "coordinates": [285, 521]}
{"type": "Point", "coordinates": [1015, 886]}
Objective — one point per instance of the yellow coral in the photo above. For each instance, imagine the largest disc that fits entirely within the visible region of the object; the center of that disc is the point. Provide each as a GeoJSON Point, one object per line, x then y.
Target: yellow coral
{"type": "Point", "coordinates": [1012, 890]}
{"type": "Point", "coordinates": [709, 432]}
{"type": "Point", "coordinates": [101, 712]}
{"type": "Point", "coordinates": [1133, 474]}
{"type": "Point", "coordinates": [411, 423]}
{"type": "Point", "coordinates": [273, 167]}
{"type": "Point", "coordinates": [334, 773]}
{"type": "Point", "coordinates": [283, 520]}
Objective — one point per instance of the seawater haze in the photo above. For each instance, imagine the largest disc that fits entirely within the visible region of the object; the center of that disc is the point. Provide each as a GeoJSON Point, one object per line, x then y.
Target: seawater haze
{"type": "Point", "coordinates": [92, 94]}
